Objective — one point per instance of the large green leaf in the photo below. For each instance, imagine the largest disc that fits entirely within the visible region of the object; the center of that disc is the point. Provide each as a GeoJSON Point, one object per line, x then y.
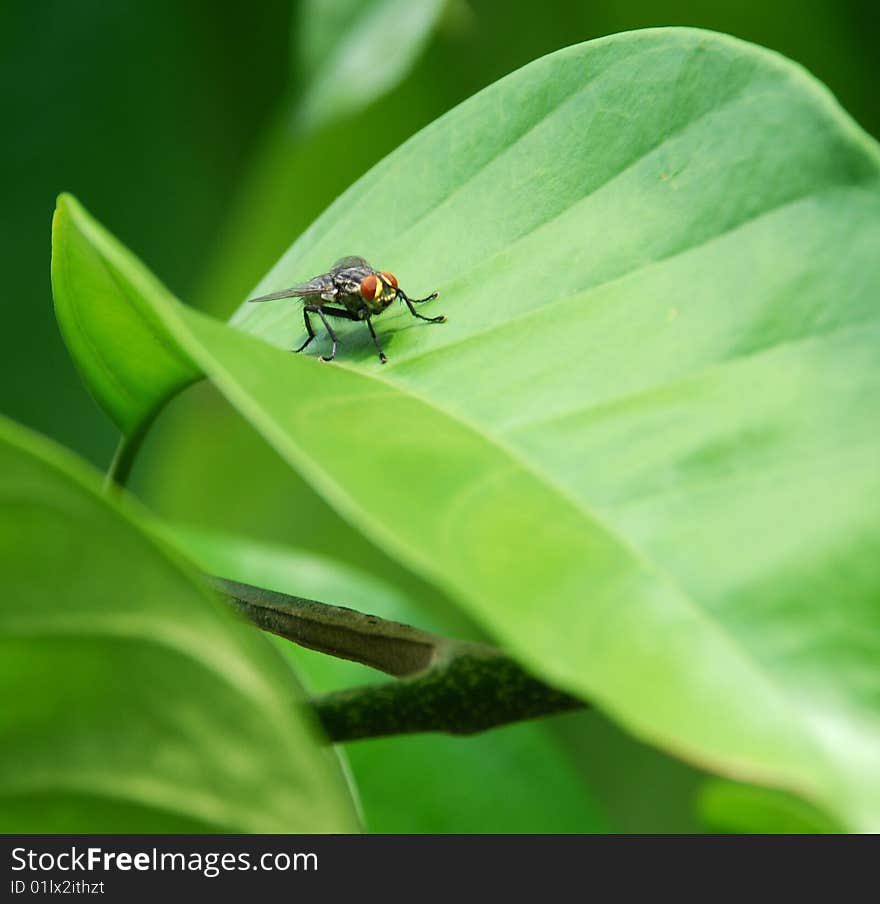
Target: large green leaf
{"type": "Point", "coordinates": [133, 700]}
{"type": "Point", "coordinates": [640, 450]}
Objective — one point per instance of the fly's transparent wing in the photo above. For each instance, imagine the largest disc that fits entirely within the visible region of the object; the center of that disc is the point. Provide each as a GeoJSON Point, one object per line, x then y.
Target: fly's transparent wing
{"type": "Point", "coordinates": [320, 285]}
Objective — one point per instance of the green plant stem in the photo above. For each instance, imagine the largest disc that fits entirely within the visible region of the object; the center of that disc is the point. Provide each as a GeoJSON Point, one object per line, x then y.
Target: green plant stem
{"type": "Point", "coordinates": [130, 444]}
{"type": "Point", "coordinates": [455, 686]}
{"type": "Point", "coordinates": [123, 459]}
{"type": "Point", "coordinates": [127, 449]}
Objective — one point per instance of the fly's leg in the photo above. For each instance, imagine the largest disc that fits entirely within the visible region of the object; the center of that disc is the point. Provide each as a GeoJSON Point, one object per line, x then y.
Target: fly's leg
{"type": "Point", "coordinates": [382, 356]}
{"type": "Point", "coordinates": [411, 301]}
{"type": "Point", "coordinates": [309, 330]}
{"type": "Point", "coordinates": [316, 309]}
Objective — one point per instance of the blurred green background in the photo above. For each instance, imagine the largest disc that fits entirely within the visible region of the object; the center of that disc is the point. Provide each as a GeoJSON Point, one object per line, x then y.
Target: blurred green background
{"type": "Point", "coordinates": [180, 124]}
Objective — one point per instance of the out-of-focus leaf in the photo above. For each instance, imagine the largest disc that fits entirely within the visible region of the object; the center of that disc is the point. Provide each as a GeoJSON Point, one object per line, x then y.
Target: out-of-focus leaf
{"type": "Point", "coordinates": [511, 780]}
{"type": "Point", "coordinates": [747, 809]}
{"type": "Point", "coordinates": [352, 51]}
{"type": "Point", "coordinates": [514, 779]}
{"type": "Point", "coordinates": [640, 450]}
{"type": "Point", "coordinates": [133, 701]}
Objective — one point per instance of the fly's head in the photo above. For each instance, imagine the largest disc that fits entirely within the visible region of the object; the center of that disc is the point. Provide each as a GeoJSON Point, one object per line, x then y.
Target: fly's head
{"type": "Point", "coordinates": [378, 291]}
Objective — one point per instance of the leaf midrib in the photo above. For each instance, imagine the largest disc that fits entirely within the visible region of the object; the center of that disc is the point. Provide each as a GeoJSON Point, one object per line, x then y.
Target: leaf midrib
{"type": "Point", "coordinates": [606, 405]}
{"type": "Point", "coordinates": [585, 293]}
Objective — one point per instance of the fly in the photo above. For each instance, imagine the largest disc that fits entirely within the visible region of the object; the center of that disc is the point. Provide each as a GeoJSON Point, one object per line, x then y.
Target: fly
{"type": "Point", "coordinates": [358, 292]}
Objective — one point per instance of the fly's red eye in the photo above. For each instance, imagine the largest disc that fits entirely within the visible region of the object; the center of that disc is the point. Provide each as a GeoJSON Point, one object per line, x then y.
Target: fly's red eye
{"type": "Point", "coordinates": [368, 287]}
{"type": "Point", "coordinates": [390, 278]}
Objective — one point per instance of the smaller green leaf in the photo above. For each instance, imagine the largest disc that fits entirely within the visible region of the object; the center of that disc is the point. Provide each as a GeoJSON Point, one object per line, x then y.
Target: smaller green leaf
{"type": "Point", "coordinates": [108, 307]}
{"type": "Point", "coordinates": [353, 51]}
{"type": "Point", "coordinates": [748, 809]}
{"type": "Point", "coordinates": [133, 700]}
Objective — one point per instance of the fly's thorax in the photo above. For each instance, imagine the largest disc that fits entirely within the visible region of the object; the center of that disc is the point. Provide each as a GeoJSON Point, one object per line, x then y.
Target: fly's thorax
{"type": "Point", "coordinates": [378, 290]}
